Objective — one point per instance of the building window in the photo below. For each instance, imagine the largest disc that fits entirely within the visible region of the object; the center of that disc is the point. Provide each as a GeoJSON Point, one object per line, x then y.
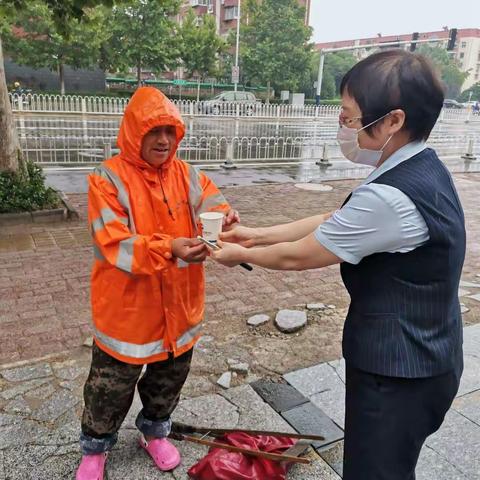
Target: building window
{"type": "Point", "coordinates": [464, 44]}
{"type": "Point", "coordinates": [198, 3]}
{"type": "Point", "coordinates": [231, 13]}
{"type": "Point", "coordinates": [462, 55]}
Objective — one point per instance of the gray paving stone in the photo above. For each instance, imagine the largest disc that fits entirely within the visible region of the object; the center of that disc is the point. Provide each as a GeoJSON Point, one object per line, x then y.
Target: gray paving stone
{"type": "Point", "coordinates": [432, 466]}
{"type": "Point", "coordinates": [290, 321]}
{"type": "Point", "coordinates": [307, 418]}
{"type": "Point", "coordinates": [339, 367]}
{"type": "Point", "coordinates": [21, 388]}
{"type": "Point", "coordinates": [253, 412]}
{"type": "Point", "coordinates": [29, 372]}
{"type": "Point", "coordinates": [40, 463]}
{"type": "Point", "coordinates": [225, 380]}
{"type": "Point", "coordinates": [212, 411]}
{"type": "Point", "coordinates": [470, 380]}
{"type": "Point", "coordinates": [257, 320]}
{"type": "Point", "coordinates": [332, 402]}
{"type": "Point", "coordinates": [316, 306]}
{"type": "Point", "coordinates": [469, 406]}
{"type": "Point", "coordinates": [317, 470]}
{"type": "Point", "coordinates": [318, 378]}
{"type": "Point", "coordinates": [6, 419]}
{"type": "Point", "coordinates": [56, 406]}
{"type": "Point", "coordinates": [280, 396]}
{"type": "Point", "coordinates": [458, 442]}
{"type": "Point", "coordinates": [69, 370]}
{"type": "Point", "coordinates": [333, 455]}
{"type": "Point", "coordinates": [2, 470]}
{"type": "Point", "coordinates": [21, 433]}
{"type": "Point", "coordinates": [469, 284]}
{"type": "Point", "coordinates": [191, 454]}
{"type": "Point", "coordinates": [18, 405]}
{"type": "Point", "coordinates": [41, 393]}
{"type": "Point", "coordinates": [241, 368]}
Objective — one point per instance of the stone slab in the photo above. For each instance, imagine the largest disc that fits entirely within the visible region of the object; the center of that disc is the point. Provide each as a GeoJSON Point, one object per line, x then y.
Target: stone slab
{"type": "Point", "coordinates": [458, 442]}
{"type": "Point", "coordinates": [20, 433]}
{"type": "Point", "coordinates": [307, 418]}
{"type": "Point", "coordinates": [333, 455]}
{"type": "Point", "coordinates": [470, 381]}
{"type": "Point", "coordinates": [28, 372]}
{"type": "Point", "coordinates": [332, 402]}
{"type": "Point", "coordinates": [317, 470]}
{"type": "Point", "coordinates": [432, 466]}
{"type": "Point", "coordinates": [469, 406]}
{"type": "Point", "coordinates": [55, 406]}
{"type": "Point", "coordinates": [311, 380]}
{"type": "Point", "coordinates": [22, 388]}
{"type": "Point", "coordinates": [257, 320]}
{"type": "Point", "coordinates": [2, 470]}
{"type": "Point", "coordinates": [290, 321]}
{"type": "Point", "coordinates": [463, 293]}
{"type": "Point", "coordinates": [475, 297]}
{"type": "Point", "coordinates": [280, 396]}
{"type": "Point", "coordinates": [469, 284]}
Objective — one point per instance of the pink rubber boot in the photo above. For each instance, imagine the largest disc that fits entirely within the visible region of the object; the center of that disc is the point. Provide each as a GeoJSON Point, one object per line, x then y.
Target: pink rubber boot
{"type": "Point", "coordinates": [164, 454]}
{"type": "Point", "coordinates": [92, 467]}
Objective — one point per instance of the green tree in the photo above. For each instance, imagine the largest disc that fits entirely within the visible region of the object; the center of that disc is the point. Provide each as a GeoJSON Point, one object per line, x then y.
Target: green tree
{"type": "Point", "coordinates": [10, 152]}
{"type": "Point", "coordinates": [143, 35]}
{"type": "Point", "coordinates": [275, 47]}
{"type": "Point", "coordinates": [38, 40]}
{"type": "Point", "coordinates": [474, 90]}
{"type": "Point", "coordinates": [200, 47]}
{"type": "Point", "coordinates": [447, 67]}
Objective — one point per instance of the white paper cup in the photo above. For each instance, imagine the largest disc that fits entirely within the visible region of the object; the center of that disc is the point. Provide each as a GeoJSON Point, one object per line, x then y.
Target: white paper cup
{"type": "Point", "coordinates": [212, 225]}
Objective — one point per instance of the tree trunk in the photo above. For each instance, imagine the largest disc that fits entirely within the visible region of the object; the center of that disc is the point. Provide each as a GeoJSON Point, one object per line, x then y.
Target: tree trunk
{"type": "Point", "coordinates": [139, 75]}
{"type": "Point", "coordinates": [61, 75]}
{"type": "Point", "coordinates": [10, 153]}
{"type": "Point", "coordinates": [268, 92]}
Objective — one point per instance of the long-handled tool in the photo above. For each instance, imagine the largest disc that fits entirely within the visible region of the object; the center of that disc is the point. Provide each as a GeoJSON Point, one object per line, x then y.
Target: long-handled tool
{"type": "Point", "coordinates": [187, 433]}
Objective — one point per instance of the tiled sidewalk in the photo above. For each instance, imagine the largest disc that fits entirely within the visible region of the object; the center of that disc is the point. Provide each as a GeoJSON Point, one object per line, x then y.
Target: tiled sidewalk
{"type": "Point", "coordinates": [45, 269]}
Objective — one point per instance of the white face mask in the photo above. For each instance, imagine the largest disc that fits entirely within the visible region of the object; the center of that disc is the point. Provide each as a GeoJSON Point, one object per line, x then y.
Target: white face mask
{"type": "Point", "coordinates": [348, 141]}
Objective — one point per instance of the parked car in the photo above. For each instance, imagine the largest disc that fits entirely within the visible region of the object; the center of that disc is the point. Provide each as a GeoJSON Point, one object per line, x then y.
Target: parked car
{"type": "Point", "coordinates": [226, 103]}
{"type": "Point", "coordinates": [449, 103]}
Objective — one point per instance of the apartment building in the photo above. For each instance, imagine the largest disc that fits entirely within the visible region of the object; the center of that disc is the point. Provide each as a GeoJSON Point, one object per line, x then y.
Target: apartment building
{"type": "Point", "coordinates": [225, 12]}
{"type": "Point", "coordinates": [466, 51]}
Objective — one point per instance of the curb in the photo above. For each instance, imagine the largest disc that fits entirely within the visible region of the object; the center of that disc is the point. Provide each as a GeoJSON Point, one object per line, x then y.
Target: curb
{"type": "Point", "coordinates": [67, 212]}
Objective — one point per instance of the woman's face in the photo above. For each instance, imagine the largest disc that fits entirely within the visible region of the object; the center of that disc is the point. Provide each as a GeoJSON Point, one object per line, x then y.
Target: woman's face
{"type": "Point", "coordinates": [351, 116]}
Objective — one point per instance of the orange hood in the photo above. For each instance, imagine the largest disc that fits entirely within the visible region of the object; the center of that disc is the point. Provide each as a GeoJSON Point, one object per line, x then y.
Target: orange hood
{"type": "Point", "coordinates": [148, 108]}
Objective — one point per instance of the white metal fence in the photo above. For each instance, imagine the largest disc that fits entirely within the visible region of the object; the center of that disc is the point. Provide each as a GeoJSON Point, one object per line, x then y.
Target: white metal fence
{"type": "Point", "coordinates": [218, 151]}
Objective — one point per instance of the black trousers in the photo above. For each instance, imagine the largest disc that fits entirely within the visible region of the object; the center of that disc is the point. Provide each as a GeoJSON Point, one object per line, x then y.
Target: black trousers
{"type": "Point", "coordinates": [388, 419]}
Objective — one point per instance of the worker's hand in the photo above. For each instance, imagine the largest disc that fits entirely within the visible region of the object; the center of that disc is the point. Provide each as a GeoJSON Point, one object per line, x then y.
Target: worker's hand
{"type": "Point", "coordinates": [190, 250]}
{"type": "Point", "coordinates": [244, 236]}
{"type": "Point", "coordinates": [229, 254]}
{"type": "Point", "coordinates": [230, 219]}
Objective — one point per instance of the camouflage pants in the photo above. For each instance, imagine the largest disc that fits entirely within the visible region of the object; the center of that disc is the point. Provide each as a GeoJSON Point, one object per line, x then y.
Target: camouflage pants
{"type": "Point", "coordinates": [109, 391]}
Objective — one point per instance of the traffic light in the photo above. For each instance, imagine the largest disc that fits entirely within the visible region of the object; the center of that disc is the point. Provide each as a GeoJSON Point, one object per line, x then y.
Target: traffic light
{"type": "Point", "coordinates": [452, 39]}
{"type": "Point", "coordinates": [413, 45]}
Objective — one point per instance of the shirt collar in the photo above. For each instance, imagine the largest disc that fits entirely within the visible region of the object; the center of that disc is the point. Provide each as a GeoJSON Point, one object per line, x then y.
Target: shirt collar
{"type": "Point", "coordinates": [407, 151]}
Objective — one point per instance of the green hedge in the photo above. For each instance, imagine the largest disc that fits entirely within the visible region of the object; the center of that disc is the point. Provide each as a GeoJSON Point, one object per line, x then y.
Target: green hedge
{"type": "Point", "coordinates": [25, 191]}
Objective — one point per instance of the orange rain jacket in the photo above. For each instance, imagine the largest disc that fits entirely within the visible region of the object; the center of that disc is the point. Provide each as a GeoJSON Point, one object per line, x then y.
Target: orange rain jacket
{"type": "Point", "coordinates": [145, 303]}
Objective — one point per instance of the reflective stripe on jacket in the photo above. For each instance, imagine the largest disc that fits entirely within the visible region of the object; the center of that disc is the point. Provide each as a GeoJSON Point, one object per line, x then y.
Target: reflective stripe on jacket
{"type": "Point", "coordinates": [145, 303]}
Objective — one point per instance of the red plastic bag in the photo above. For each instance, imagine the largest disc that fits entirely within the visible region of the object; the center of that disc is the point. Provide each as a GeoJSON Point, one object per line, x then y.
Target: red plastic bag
{"type": "Point", "coordinates": [219, 464]}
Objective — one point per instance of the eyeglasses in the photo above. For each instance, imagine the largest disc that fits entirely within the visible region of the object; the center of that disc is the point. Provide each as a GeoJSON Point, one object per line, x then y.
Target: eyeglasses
{"type": "Point", "coordinates": [347, 122]}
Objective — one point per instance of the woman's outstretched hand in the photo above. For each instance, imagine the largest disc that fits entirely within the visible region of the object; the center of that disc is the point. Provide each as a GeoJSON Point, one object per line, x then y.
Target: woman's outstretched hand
{"type": "Point", "coordinates": [229, 254]}
{"type": "Point", "coordinates": [244, 236]}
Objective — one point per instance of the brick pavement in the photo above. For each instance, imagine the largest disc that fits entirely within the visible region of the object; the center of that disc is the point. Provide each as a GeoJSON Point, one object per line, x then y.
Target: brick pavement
{"type": "Point", "coordinates": [44, 271]}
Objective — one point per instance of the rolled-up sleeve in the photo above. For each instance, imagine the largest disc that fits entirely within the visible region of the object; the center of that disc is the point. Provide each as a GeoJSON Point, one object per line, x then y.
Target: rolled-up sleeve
{"type": "Point", "coordinates": [377, 218]}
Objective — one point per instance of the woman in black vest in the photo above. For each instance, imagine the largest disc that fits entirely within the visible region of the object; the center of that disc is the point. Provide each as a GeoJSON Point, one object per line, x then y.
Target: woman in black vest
{"type": "Point", "coordinates": [400, 240]}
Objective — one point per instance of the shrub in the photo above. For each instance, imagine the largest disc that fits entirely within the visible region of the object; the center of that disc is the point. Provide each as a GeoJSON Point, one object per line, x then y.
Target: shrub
{"type": "Point", "coordinates": [25, 190]}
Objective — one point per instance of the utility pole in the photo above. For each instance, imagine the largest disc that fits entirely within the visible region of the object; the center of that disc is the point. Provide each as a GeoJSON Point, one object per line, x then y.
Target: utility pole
{"type": "Point", "coordinates": [359, 47]}
{"type": "Point", "coordinates": [236, 72]}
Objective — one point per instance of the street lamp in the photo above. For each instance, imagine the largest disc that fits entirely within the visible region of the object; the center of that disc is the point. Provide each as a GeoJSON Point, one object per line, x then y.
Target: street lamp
{"type": "Point", "coordinates": [236, 70]}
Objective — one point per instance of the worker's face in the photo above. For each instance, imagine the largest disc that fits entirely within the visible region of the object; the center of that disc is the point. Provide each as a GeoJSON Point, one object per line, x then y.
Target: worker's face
{"type": "Point", "coordinates": [158, 145]}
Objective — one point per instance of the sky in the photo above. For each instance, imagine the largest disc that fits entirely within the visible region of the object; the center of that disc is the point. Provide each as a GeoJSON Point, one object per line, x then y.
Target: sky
{"type": "Point", "coordinates": [349, 19]}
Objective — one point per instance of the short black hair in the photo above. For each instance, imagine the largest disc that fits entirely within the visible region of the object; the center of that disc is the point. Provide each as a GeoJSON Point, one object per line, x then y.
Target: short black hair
{"type": "Point", "coordinates": [397, 79]}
